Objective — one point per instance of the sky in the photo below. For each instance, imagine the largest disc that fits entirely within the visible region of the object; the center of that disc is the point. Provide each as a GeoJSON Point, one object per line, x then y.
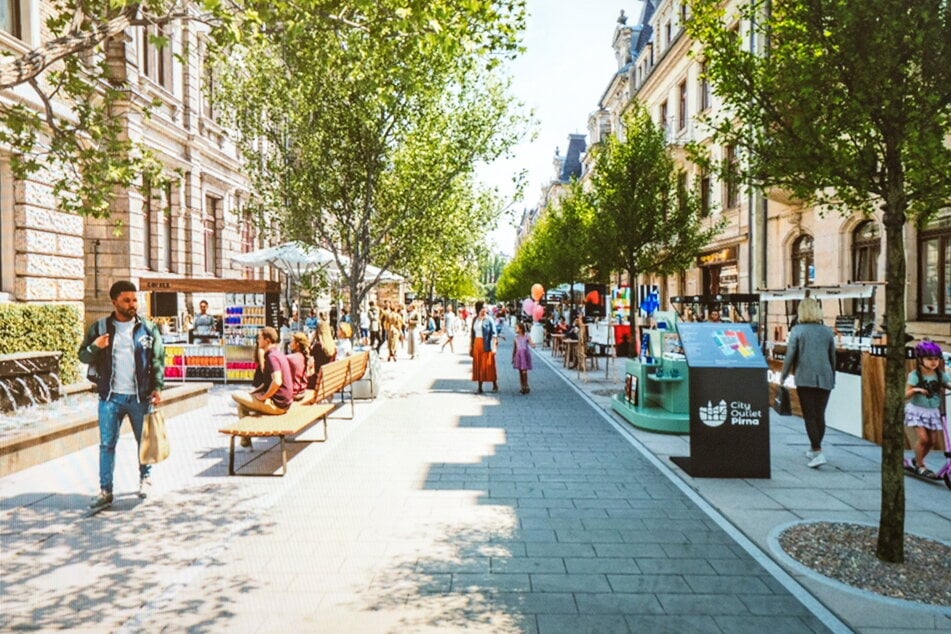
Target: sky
{"type": "Point", "coordinates": [567, 66]}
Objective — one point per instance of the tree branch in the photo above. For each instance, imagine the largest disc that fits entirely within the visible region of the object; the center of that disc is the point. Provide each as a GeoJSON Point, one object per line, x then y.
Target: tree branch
{"type": "Point", "coordinates": [33, 63]}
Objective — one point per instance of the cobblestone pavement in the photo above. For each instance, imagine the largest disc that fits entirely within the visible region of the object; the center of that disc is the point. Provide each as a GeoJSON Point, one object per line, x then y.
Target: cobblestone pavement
{"type": "Point", "coordinates": [434, 510]}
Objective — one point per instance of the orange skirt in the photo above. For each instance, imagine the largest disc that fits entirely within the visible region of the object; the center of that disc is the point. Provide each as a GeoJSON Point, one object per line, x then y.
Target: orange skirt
{"type": "Point", "coordinates": [483, 363]}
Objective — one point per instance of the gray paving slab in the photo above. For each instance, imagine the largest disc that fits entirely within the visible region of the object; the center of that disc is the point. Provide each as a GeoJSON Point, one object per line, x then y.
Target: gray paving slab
{"type": "Point", "coordinates": [435, 509]}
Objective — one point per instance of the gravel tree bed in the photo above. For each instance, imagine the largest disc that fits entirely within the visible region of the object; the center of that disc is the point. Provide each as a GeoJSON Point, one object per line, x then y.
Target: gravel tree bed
{"type": "Point", "coordinates": [846, 552]}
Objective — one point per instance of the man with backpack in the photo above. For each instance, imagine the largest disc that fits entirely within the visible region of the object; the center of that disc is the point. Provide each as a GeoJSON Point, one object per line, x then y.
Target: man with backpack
{"type": "Point", "coordinates": [126, 360]}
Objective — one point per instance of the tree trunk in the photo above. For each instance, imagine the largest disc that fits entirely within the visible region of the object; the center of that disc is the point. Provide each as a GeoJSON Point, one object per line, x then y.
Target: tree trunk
{"type": "Point", "coordinates": [891, 528]}
{"type": "Point", "coordinates": [635, 339]}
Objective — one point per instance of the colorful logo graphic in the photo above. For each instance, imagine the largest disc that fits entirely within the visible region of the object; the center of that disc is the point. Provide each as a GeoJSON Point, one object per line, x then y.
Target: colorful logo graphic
{"type": "Point", "coordinates": [732, 342]}
{"type": "Point", "coordinates": [713, 415]}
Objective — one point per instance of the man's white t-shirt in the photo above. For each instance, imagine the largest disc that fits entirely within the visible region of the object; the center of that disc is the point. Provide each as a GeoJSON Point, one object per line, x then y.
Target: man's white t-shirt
{"type": "Point", "coordinates": [123, 358]}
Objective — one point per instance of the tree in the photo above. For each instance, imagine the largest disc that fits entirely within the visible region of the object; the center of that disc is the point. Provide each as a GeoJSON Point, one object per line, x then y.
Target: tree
{"type": "Point", "coordinates": [645, 220]}
{"type": "Point", "coordinates": [849, 107]}
{"type": "Point", "coordinates": [72, 121]}
{"type": "Point", "coordinates": [449, 267]}
{"type": "Point", "coordinates": [356, 139]}
{"type": "Point", "coordinates": [558, 250]}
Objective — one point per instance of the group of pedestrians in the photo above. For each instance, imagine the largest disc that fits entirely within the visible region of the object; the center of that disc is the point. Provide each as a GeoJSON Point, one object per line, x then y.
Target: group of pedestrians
{"type": "Point", "coordinates": [126, 357]}
{"type": "Point", "coordinates": [810, 357]}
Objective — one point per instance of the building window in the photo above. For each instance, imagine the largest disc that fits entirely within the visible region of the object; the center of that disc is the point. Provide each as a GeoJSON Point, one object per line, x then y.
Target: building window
{"type": "Point", "coordinates": [866, 247]}
{"type": "Point", "coordinates": [705, 91]}
{"type": "Point", "coordinates": [803, 264]}
{"type": "Point", "coordinates": [208, 89]}
{"type": "Point", "coordinates": [934, 268]}
{"type": "Point", "coordinates": [168, 241]}
{"type": "Point", "coordinates": [705, 190]}
{"type": "Point", "coordinates": [663, 116]}
{"type": "Point", "coordinates": [731, 182]}
{"type": "Point", "coordinates": [157, 55]}
{"type": "Point", "coordinates": [248, 236]}
{"type": "Point", "coordinates": [682, 115]}
{"type": "Point", "coordinates": [10, 17]}
{"type": "Point", "coordinates": [147, 259]}
{"type": "Point", "coordinates": [212, 207]}
{"type": "Point", "coordinates": [667, 34]}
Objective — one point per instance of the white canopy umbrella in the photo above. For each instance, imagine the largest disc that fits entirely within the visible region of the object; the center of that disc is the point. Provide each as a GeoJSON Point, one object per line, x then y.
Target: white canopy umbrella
{"type": "Point", "coordinates": [292, 258]}
{"type": "Point", "coordinates": [296, 259]}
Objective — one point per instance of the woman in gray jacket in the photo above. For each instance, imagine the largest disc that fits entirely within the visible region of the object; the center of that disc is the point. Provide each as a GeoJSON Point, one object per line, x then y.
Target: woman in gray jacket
{"type": "Point", "coordinates": [810, 356]}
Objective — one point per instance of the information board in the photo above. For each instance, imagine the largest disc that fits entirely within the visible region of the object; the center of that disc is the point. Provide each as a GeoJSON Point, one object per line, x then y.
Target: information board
{"type": "Point", "coordinates": [720, 345]}
{"type": "Point", "coordinates": [729, 402]}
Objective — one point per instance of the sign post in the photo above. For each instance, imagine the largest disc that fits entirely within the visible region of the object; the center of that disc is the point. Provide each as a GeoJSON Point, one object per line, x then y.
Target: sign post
{"type": "Point", "coordinates": [729, 402]}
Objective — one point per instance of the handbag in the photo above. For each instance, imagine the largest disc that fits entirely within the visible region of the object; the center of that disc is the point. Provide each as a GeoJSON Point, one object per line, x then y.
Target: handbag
{"type": "Point", "coordinates": [782, 405]}
{"type": "Point", "coordinates": [154, 446]}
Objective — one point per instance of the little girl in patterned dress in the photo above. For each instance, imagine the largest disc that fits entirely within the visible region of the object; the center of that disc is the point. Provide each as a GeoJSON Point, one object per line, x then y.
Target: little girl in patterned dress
{"type": "Point", "coordinates": [522, 355]}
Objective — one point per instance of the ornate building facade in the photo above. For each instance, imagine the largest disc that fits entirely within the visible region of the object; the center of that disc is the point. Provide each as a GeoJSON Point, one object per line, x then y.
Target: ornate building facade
{"type": "Point", "coordinates": [770, 241]}
{"type": "Point", "coordinates": [187, 227]}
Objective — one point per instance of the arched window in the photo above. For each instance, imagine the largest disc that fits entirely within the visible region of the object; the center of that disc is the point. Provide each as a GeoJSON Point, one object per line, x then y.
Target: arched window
{"type": "Point", "coordinates": [803, 266]}
{"type": "Point", "coordinates": [866, 247]}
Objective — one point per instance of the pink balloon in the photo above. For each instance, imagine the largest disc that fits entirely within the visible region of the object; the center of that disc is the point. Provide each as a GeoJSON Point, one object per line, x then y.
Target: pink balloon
{"type": "Point", "coordinates": [538, 313]}
{"type": "Point", "coordinates": [528, 306]}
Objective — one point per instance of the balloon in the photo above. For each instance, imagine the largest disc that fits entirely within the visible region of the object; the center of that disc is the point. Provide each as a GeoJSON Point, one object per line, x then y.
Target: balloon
{"type": "Point", "coordinates": [528, 306]}
{"type": "Point", "coordinates": [538, 291]}
{"type": "Point", "coordinates": [538, 313]}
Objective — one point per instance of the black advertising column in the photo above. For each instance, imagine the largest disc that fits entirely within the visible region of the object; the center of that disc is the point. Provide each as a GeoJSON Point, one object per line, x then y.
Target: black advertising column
{"type": "Point", "coordinates": [729, 402]}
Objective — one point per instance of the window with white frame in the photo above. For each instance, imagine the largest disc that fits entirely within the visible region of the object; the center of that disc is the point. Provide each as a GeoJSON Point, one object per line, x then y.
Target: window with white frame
{"type": "Point", "coordinates": [682, 112]}
{"type": "Point", "coordinates": [148, 255]}
{"type": "Point", "coordinates": [168, 238]}
{"type": "Point", "coordinates": [210, 221]}
{"type": "Point", "coordinates": [706, 96]}
{"type": "Point", "coordinates": [10, 19]}
{"type": "Point", "coordinates": [803, 261]}
{"type": "Point", "coordinates": [156, 56]}
{"type": "Point", "coordinates": [934, 268]}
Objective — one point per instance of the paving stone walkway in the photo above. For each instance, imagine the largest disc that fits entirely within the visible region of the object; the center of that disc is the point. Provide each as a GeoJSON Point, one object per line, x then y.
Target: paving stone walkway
{"type": "Point", "coordinates": [435, 510]}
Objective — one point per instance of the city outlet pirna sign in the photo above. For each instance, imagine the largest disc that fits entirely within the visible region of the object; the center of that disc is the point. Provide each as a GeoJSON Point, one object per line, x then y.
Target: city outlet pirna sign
{"type": "Point", "coordinates": [729, 402]}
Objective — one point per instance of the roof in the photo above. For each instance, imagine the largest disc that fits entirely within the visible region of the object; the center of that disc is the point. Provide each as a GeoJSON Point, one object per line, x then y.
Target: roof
{"type": "Point", "coordinates": [572, 165]}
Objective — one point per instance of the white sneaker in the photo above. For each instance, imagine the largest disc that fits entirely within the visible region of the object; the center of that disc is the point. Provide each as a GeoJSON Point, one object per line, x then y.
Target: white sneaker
{"type": "Point", "coordinates": [811, 454]}
{"type": "Point", "coordinates": [145, 487]}
{"type": "Point", "coordinates": [817, 461]}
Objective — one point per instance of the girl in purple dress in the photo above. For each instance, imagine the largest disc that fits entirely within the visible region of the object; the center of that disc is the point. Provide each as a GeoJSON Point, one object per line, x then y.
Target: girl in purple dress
{"type": "Point", "coordinates": [522, 355]}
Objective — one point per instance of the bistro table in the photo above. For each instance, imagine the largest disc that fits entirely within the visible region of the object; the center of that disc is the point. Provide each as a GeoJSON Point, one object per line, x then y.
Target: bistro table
{"type": "Point", "coordinates": [570, 347]}
{"type": "Point", "coordinates": [557, 344]}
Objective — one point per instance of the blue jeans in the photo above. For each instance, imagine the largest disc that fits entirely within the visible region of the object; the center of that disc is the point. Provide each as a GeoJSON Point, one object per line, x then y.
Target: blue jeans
{"type": "Point", "coordinates": [111, 413]}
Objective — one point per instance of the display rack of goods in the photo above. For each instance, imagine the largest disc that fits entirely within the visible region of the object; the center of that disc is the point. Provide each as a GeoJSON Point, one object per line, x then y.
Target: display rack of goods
{"type": "Point", "coordinates": [245, 316]}
{"type": "Point", "coordinates": [175, 362]}
{"type": "Point", "coordinates": [204, 362]}
{"type": "Point", "coordinates": [241, 370]}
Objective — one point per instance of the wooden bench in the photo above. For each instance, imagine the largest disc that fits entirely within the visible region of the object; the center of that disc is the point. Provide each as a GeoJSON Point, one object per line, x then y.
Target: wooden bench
{"type": "Point", "coordinates": [333, 378]}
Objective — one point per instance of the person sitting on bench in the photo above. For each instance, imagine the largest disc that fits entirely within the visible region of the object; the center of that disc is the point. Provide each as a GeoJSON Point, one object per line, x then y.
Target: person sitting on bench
{"type": "Point", "coordinates": [274, 397]}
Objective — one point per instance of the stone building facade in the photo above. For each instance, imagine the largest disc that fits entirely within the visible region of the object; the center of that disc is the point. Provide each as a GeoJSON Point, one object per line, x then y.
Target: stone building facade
{"type": "Point", "coordinates": [187, 227]}
{"type": "Point", "coordinates": [770, 240]}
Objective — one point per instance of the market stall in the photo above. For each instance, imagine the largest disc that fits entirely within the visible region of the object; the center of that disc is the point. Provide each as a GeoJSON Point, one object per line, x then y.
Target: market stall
{"type": "Point", "coordinates": [856, 369]}
{"type": "Point", "coordinates": [247, 306]}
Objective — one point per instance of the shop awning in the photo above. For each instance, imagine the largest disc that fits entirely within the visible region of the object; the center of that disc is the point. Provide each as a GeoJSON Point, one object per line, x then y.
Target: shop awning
{"type": "Point", "coordinates": [857, 290]}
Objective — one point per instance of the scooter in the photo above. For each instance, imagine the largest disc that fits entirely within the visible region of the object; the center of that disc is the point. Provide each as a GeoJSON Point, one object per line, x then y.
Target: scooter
{"type": "Point", "coordinates": [944, 473]}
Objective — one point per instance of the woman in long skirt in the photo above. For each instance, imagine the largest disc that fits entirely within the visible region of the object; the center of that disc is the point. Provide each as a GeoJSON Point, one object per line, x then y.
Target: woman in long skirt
{"type": "Point", "coordinates": [483, 345]}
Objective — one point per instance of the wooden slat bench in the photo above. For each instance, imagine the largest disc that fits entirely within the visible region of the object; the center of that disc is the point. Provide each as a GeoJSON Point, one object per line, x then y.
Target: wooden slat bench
{"type": "Point", "coordinates": [333, 378]}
